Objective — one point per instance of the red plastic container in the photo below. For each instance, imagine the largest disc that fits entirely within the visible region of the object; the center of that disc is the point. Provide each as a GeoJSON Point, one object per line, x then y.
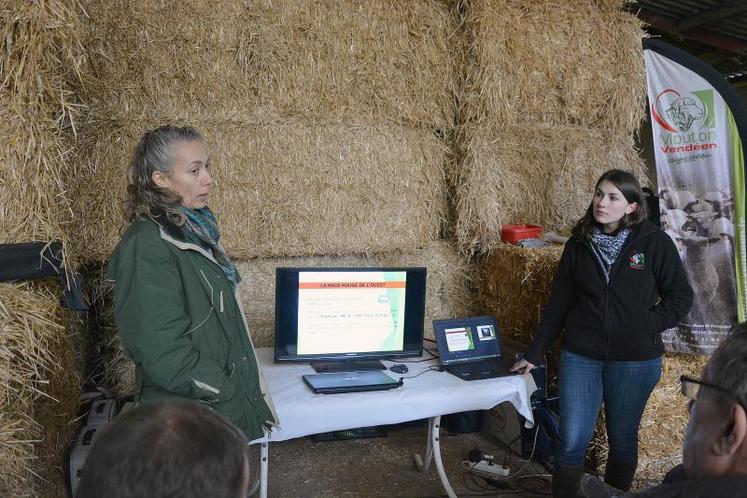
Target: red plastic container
{"type": "Point", "coordinates": [514, 233]}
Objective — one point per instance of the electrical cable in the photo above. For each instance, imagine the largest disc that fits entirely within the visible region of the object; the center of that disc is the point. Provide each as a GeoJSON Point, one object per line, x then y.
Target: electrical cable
{"type": "Point", "coordinates": [529, 460]}
{"type": "Point", "coordinates": [429, 369]}
{"type": "Point", "coordinates": [520, 481]}
{"type": "Point", "coordinates": [496, 487]}
{"type": "Point", "coordinates": [514, 483]}
{"type": "Point", "coordinates": [475, 483]}
{"type": "Point", "coordinates": [397, 360]}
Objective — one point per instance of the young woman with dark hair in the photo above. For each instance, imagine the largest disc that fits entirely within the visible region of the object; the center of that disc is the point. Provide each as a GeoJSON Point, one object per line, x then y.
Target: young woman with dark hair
{"type": "Point", "coordinates": [620, 283]}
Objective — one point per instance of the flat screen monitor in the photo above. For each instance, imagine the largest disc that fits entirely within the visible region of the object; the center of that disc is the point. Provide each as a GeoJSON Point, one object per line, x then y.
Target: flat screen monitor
{"type": "Point", "coordinates": [343, 314]}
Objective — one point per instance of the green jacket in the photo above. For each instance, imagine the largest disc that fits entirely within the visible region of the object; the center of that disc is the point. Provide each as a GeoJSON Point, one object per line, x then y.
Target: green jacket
{"type": "Point", "coordinates": [181, 321]}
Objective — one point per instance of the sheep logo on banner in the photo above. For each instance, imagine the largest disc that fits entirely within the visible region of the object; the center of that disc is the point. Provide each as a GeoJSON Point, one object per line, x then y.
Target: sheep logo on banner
{"type": "Point", "coordinates": [637, 261]}
{"type": "Point", "coordinates": [683, 111]}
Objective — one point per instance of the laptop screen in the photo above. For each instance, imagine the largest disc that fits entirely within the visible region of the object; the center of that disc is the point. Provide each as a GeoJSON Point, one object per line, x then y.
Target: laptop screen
{"type": "Point", "coordinates": [467, 339]}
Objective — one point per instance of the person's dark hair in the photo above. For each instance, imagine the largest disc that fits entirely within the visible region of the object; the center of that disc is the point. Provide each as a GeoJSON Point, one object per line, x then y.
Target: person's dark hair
{"type": "Point", "coordinates": [727, 367]}
{"type": "Point", "coordinates": [166, 449]}
{"type": "Point", "coordinates": [153, 153]}
{"type": "Point", "coordinates": [628, 185]}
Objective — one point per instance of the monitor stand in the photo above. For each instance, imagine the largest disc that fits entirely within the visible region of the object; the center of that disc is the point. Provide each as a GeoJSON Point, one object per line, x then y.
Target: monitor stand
{"type": "Point", "coordinates": [346, 366]}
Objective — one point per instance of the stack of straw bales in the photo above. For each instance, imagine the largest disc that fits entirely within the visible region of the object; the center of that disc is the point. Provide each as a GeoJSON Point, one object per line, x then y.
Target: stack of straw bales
{"type": "Point", "coordinates": [39, 389]}
{"type": "Point", "coordinates": [338, 60]}
{"type": "Point", "coordinates": [286, 188]}
{"type": "Point", "coordinates": [663, 424]}
{"type": "Point", "coordinates": [317, 115]}
{"type": "Point", "coordinates": [41, 54]}
{"type": "Point", "coordinates": [326, 126]}
{"type": "Point", "coordinates": [552, 96]}
{"type": "Point", "coordinates": [537, 174]}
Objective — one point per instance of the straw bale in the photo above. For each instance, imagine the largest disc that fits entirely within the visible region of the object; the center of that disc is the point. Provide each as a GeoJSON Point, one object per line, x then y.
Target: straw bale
{"type": "Point", "coordinates": [534, 174]}
{"type": "Point", "coordinates": [41, 52]}
{"type": "Point", "coordinates": [663, 424]}
{"type": "Point", "coordinates": [333, 60]}
{"type": "Point", "coordinates": [56, 414]}
{"type": "Point", "coordinates": [284, 188]}
{"type": "Point", "coordinates": [17, 435]}
{"type": "Point", "coordinates": [39, 388]}
{"type": "Point", "coordinates": [448, 295]}
{"type": "Point", "coordinates": [110, 367]}
{"type": "Point", "coordinates": [514, 285]}
{"type": "Point", "coordinates": [562, 63]}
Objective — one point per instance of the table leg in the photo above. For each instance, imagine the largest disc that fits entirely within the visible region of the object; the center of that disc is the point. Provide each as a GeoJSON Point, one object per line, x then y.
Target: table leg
{"type": "Point", "coordinates": [264, 452]}
{"type": "Point", "coordinates": [259, 479]}
{"type": "Point", "coordinates": [425, 465]}
{"type": "Point", "coordinates": [433, 451]}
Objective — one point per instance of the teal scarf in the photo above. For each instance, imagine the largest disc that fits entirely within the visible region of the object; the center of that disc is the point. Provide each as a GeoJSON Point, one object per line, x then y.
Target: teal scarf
{"type": "Point", "coordinates": [201, 227]}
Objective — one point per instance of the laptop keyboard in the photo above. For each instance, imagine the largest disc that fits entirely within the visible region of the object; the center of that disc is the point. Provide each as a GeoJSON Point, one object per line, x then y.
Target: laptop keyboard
{"type": "Point", "coordinates": [479, 369]}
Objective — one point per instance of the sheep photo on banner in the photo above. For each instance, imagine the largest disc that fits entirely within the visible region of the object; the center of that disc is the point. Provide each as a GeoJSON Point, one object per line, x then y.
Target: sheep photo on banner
{"type": "Point", "coordinates": [699, 127]}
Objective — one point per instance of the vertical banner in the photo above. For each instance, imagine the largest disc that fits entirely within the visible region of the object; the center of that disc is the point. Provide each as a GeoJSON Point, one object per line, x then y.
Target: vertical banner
{"type": "Point", "coordinates": [699, 127]}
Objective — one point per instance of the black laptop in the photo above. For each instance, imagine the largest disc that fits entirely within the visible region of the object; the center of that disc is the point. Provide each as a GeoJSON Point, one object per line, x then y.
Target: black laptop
{"type": "Point", "coordinates": [346, 382]}
{"type": "Point", "coordinates": [470, 348]}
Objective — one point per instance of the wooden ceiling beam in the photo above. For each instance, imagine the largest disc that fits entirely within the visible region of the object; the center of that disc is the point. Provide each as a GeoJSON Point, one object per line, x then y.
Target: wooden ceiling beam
{"type": "Point", "coordinates": [722, 11]}
{"type": "Point", "coordinates": [715, 40]}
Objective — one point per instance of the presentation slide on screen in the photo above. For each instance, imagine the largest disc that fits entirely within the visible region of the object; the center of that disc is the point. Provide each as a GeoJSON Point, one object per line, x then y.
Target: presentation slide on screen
{"type": "Point", "coordinates": [351, 311]}
{"type": "Point", "coordinates": [459, 339]}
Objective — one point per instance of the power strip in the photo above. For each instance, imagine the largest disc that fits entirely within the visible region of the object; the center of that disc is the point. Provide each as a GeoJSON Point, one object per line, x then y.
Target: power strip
{"type": "Point", "coordinates": [491, 469]}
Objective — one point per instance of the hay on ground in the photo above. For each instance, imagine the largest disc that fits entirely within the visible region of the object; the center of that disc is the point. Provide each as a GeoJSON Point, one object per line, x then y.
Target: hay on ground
{"type": "Point", "coordinates": [663, 424]}
{"type": "Point", "coordinates": [322, 61]}
{"type": "Point", "coordinates": [536, 174]}
{"type": "Point", "coordinates": [448, 295]}
{"type": "Point", "coordinates": [576, 62]}
{"type": "Point", "coordinates": [39, 389]}
{"type": "Point", "coordinates": [284, 188]}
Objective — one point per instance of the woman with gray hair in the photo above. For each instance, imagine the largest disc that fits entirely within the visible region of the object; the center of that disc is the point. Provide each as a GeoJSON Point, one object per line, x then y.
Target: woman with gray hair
{"type": "Point", "coordinates": [176, 306]}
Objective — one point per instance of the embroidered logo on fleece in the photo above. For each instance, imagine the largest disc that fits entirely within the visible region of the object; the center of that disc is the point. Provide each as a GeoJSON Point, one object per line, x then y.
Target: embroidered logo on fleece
{"type": "Point", "coordinates": [637, 261]}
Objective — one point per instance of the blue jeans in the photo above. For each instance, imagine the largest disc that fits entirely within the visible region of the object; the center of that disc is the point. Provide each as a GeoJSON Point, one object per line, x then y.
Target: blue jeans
{"type": "Point", "coordinates": [623, 385]}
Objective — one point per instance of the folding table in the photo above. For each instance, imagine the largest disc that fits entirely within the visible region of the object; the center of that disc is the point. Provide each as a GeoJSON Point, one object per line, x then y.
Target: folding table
{"type": "Point", "coordinates": [430, 395]}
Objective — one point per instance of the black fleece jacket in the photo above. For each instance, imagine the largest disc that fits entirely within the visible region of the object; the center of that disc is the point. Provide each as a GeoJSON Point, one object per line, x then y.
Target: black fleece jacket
{"type": "Point", "coordinates": [622, 319]}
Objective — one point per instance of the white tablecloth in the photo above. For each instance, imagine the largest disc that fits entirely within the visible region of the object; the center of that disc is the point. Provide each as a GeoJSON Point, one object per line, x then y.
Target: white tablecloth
{"type": "Point", "coordinates": [302, 412]}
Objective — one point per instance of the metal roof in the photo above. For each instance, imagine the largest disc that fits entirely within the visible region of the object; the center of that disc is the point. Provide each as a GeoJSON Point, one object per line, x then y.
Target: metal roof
{"type": "Point", "coordinates": [713, 30]}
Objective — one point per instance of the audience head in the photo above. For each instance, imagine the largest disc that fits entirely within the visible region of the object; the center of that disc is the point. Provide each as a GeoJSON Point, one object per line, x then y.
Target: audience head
{"type": "Point", "coordinates": [167, 449]}
{"type": "Point", "coordinates": [716, 437]}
